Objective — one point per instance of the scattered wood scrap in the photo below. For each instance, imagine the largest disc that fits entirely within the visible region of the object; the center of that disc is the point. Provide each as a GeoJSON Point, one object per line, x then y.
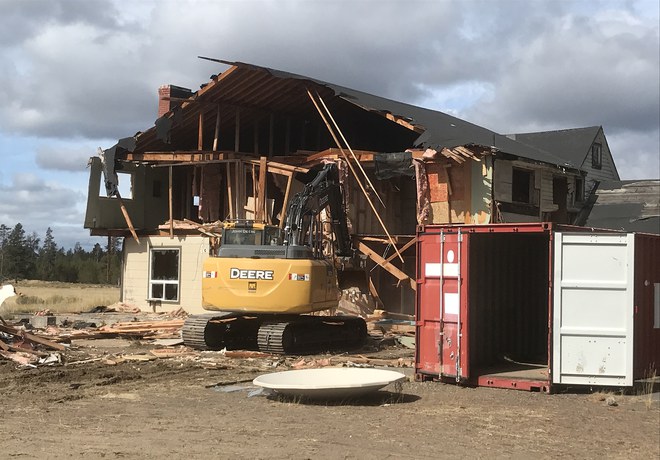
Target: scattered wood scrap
{"type": "Point", "coordinates": [31, 338]}
{"type": "Point", "coordinates": [144, 328]}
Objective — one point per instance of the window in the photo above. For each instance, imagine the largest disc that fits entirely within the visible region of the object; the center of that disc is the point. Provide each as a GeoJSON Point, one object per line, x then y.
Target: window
{"type": "Point", "coordinates": [124, 186]}
{"type": "Point", "coordinates": [597, 155]}
{"type": "Point", "coordinates": [164, 275]}
{"type": "Point", "coordinates": [522, 181]}
{"type": "Point", "coordinates": [579, 190]}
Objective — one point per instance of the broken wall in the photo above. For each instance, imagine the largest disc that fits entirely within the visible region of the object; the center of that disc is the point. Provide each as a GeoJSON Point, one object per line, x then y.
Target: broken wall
{"type": "Point", "coordinates": [146, 206]}
{"type": "Point", "coordinates": [137, 270]}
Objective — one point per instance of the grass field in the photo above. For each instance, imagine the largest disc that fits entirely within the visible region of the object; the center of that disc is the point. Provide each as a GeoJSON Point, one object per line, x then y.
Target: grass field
{"type": "Point", "coordinates": [58, 297]}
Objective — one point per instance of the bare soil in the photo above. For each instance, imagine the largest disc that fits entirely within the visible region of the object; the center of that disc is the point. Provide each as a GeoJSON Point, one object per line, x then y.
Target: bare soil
{"type": "Point", "coordinates": [174, 408]}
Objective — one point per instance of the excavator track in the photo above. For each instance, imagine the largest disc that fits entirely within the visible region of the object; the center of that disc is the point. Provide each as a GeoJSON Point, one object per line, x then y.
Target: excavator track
{"type": "Point", "coordinates": [223, 329]}
{"type": "Point", "coordinates": [278, 334]}
{"type": "Point", "coordinates": [311, 334]}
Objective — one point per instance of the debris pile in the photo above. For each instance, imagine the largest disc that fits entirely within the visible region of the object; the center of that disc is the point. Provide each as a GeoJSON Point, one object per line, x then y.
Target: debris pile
{"type": "Point", "coordinates": [73, 340]}
{"type": "Point", "coordinates": [27, 349]}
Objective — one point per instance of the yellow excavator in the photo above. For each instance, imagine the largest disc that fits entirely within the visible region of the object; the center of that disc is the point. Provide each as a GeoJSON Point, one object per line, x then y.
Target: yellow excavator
{"type": "Point", "coordinates": [265, 281]}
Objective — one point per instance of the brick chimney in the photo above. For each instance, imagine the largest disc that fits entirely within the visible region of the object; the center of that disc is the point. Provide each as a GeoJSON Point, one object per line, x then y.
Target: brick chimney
{"type": "Point", "coordinates": [169, 97]}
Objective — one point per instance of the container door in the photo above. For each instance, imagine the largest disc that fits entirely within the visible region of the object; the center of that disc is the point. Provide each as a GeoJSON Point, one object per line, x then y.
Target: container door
{"type": "Point", "coordinates": [441, 299]}
{"type": "Point", "coordinates": [593, 309]}
{"type": "Point", "coordinates": [454, 315]}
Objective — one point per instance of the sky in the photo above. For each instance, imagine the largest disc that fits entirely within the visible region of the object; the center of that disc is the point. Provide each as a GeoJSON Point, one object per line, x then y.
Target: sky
{"type": "Point", "coordinates": [76, 75]}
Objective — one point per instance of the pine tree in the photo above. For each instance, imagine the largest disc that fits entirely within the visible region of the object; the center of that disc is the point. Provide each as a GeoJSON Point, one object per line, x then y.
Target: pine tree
{"type": "Point", "coordinates": [47, 257]}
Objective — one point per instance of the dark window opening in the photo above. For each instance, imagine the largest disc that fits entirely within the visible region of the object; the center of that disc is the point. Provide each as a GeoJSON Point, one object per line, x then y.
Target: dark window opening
{"type": "Point", "coordinates": [164, 275]}
{"type": "Point", "coordinates": [521, 185]}
{"type": "Point", "coordinates": [597, 156]}
{"type": "Point", "coordinates": [579, 190]}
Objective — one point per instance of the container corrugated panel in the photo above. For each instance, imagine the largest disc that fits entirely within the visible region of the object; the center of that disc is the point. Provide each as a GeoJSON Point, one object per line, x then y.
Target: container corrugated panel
{"type": "Point", "coordinates": [647, 293]}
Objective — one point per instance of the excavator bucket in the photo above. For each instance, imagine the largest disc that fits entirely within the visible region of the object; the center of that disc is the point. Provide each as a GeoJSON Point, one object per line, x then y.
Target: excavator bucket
{"type": "Point", "coordinates": [353, 278]}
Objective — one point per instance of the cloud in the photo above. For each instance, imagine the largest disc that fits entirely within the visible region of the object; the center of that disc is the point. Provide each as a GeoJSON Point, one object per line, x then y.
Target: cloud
{"type": "Point", "coordinates": [78, 74]}
{"type": "Point", "coordinates": [581, 71]}
{"type": "Point", "coordinates": [60, 156]}
{"type": "Point", "coordinates": [635, 153]}
{"type": "Point", "coordinates": [28, 198]}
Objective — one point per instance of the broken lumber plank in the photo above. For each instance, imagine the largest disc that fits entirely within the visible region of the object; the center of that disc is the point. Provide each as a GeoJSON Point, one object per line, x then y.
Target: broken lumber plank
{"type": "Point", "coordinates": [32, 338]}
{"type": "Point", "coordinates": [396, 272]}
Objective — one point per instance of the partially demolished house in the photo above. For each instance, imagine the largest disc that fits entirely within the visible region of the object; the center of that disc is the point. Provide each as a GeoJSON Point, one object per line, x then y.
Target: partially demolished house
{"type": "Point", "coordinates": [245, 142]}
{"type": "Point", "coordinates": [587, 148]}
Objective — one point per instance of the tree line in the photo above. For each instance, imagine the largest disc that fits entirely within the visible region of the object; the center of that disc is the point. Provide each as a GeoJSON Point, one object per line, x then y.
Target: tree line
{"type": "Point", "coordinates": [23, 256]}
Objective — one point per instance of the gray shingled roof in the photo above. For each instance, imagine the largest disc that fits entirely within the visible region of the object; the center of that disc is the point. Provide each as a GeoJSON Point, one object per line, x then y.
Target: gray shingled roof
{"type": "Point", "coordinates": [632, 206]}
{"type": "Point", "coordinates": [571, 145]}
{"type": "Point", "coordinates": [440, 129]}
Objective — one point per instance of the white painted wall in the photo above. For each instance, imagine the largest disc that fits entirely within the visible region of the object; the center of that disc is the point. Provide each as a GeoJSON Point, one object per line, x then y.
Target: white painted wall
{"type": "Point", "coordinates": [135, 275]}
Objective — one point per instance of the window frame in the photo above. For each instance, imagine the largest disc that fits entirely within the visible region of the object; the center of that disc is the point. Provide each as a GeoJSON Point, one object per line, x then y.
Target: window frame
{"type": "Point", "coordinates": [151, 282]}
{"type": "Point", "coordinates": [125, 186]}
{"type": "Point", "coordinates": [597, 155]}
{"type": "Point", "coordinates": [579, 190]}
{"type": "Point", "coordinates": [530, 192]}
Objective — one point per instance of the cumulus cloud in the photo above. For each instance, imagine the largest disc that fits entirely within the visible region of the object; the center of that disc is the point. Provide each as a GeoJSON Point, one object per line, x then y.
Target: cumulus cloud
{"type": "Point", "coordinates": [77, 72]}
{"type": "Point", "coordinates": [59, 156]}
{"type": "Point", "coordinates": [29, 197]}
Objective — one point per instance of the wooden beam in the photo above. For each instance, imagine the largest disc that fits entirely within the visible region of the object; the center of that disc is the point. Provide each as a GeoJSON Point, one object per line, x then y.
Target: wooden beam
{"type": "Point", "coordinates": [200, 134]}
{"type": "Point", "coordinates": [171, 206]}
{"type": "Point", "coordinates": [396, 272]}
{"type": "Point", "coordinates": [286, 200]}
{"type": "Point", "coordinates": [32, 338]}
{"type": "Point", "coordinates": [261, 192]}
{"type": "Point", "coordinates": [127, 218]}
{"type": "Point", "coordinates": [335, 153]}
{"type": "Point", "coordinates": [327, 110]}
{"type": "Point", "coordinates": [216, 134]}
{"type": "Point", "coordinates": [181, 155]}
{"type": "Point", "coordinates": [403, 122]}
{"type": "Point", "coordinates": [230, 192]}
{"type": "Point", "coordinates": [280, 168]}
{"type": "Point", "coordinates": [357, 179]}
{"type": "Point", "coordinates": [403, 249]}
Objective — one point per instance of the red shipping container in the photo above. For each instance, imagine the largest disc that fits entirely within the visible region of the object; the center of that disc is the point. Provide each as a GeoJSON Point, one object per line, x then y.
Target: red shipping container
{"type": "Point", "coordinates": [529, 306]}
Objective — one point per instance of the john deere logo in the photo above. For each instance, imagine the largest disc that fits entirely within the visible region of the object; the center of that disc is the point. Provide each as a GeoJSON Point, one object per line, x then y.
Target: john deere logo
{"type": "Point", "coordinates": [237, 273]}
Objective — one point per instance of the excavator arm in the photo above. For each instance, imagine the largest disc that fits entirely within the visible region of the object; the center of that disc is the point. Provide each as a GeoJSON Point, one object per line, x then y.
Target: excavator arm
{"type": "Point", "coordinates": [324, 191]}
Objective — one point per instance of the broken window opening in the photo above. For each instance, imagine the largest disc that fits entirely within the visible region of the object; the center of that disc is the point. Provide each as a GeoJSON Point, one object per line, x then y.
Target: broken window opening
{"type": "Point", "coordinates": [579, 190]}
{"type": "Point", "coordinates": [597, 156]}
{"type": "Point", "coordinates": [521, 185]}
{"type": "Point", "coordinates": [124, 187]}
{"type": "Point", "coordinates": [164, 274]}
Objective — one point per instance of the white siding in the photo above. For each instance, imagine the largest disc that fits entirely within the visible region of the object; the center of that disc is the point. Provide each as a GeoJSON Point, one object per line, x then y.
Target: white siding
{"type": "Point", "coordinates": [502, 179]}
{"type": "Point", "coordinates": [135, 277]}
{"type": "Point", "coordinates": [606, 172]}
{"type": "Point", "coordinates": [547, 204]}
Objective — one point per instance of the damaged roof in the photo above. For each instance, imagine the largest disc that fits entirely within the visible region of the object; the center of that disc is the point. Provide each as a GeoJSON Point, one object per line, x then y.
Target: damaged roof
{"type": "Point", "coordinates": [274, 90]}
{"type": "Point", "coordinates": [570, 144]}
{"type": "Point", "coordinates": [632, 206]}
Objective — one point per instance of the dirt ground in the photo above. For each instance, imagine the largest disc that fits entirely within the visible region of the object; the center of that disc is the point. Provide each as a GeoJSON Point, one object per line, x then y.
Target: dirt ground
{"type": "Point", "coordinates": [119, 406]}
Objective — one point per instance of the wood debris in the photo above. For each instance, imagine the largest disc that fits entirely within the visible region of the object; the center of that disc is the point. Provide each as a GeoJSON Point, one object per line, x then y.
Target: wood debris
{"type": "Point", "coordinates": [144, 328]}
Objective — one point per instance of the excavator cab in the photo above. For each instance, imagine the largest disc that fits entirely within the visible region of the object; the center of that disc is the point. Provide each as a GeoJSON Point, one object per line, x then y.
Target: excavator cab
{"type": "Point", "coordinates": [250, 233]}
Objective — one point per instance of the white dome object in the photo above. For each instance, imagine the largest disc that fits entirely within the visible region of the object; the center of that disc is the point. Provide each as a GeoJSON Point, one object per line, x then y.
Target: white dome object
{"type": "Point", "coordinates": [329, 382]}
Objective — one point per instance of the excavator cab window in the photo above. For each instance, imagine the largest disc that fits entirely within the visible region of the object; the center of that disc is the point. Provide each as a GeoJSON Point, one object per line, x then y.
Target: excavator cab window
{"type": "Point", "coordinates": [273, 236]}
{"type": "Point", "coordinates": [241, 236]}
